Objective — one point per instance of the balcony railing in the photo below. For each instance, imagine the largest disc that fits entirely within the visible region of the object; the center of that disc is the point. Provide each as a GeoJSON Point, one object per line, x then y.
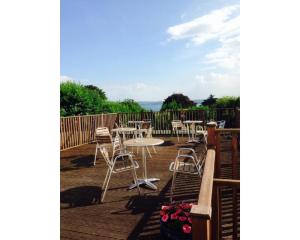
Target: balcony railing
{"type": "Point", "coordinates": [220, 188]}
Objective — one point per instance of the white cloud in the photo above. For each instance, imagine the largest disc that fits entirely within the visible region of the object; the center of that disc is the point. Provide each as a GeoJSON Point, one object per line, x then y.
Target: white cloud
{"type": "Point", "coordinates": [138, 91]}
{"type": "Point", "coordinates": [227, 56]}
{"type": "Point", "coordinates": [221, 25]}
{"type": "Point", "coordinates": [64, 78]}
{"type": "Point", "coordinates": [219, 84]}
{"type": "Point", "coordinates": [217, 24]}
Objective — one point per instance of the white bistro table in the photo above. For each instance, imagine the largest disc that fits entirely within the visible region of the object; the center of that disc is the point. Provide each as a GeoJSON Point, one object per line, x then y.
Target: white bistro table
{"type": "Point", "coordinates": [124, 130]}
{"type": "Point", "coordinates": [138, 126]}
{"type": "Point", "coordinates": [143, 143]}
{"type": "Point", "coordinates": [191, 127]}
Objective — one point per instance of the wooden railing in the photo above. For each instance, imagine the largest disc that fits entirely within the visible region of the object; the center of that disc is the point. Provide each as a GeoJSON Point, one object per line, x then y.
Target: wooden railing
{"type": "Point", "coordinates": [79, 130]}
{"type": "Point", "coordinates": [219, 196]}
{"type": "Point", "coordinates": [161, 121]}
{"type": "Point", "coordinates": [201, 213]}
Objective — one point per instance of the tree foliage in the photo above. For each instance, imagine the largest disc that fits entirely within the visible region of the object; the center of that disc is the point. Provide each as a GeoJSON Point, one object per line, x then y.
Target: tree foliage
{"type": "Point", "coordinates": [210, 101]}
{"type": "Point", "coordinates": [77, 99]}
{"type": "Point", "coordinates": [98, 90]}
{"type": "Point", "coordinates": [177, 101]}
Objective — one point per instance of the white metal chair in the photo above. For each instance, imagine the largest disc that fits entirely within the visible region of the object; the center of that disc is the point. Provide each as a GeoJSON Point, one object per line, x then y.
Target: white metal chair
{"type": "Point", "coordinates": [176, 126]}
{"type": "Point", "coordinates": [202, 132]}
{"type": "Point", "coordinates": [188, 161]}
{"type": "Point", "coordinates": [119, 162]}
{"type": "Point", "coordinates": [104, 138]}
{"type": "Point", "coordinates": [149, 135]}
{"type": "Point", "coordinates": [221, 124]}
{"type": "Point", "coordinates": [139, 134]}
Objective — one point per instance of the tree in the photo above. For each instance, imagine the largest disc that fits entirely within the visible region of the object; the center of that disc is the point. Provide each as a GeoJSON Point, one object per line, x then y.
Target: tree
{"type": "Point", "coordinates": [98, 90]}
{"type": "Point", "coordinates": [177, 101]}
{"type": "Point", "coordinates": [210, 101]}
{"type": "Point", "coordinates": [76, 99]}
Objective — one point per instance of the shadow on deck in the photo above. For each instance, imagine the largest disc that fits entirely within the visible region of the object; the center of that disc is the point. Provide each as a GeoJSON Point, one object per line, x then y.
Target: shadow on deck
{"type": "Point", "coordinates": [124, 214]}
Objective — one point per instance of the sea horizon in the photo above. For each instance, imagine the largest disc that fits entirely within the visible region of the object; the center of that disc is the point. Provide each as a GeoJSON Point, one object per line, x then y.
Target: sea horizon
{"type": "Point", "coordinates": [156, 105]}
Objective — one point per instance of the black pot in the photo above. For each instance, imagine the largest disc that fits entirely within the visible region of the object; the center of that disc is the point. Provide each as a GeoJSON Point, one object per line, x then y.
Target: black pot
{"type": "Point", "coordinates": [171, 234]}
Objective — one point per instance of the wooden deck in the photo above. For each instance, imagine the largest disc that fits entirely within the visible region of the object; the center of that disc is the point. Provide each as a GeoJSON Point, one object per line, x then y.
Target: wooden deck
{"type": "Point", "coordinates": [123, 215]}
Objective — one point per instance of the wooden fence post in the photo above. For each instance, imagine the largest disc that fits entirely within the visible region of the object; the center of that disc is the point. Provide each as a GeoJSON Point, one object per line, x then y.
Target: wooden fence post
{"type": "Point", "coordinates": [211, 134]}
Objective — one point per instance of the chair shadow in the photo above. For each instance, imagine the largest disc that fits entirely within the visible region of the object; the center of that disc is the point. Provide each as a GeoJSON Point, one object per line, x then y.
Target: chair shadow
{"type": "Point", "coordinates": [80, 162]}
{"type": "Point", "coordinates": [80, 196]}
{"type": "Point", "coordinates": [168, 143]}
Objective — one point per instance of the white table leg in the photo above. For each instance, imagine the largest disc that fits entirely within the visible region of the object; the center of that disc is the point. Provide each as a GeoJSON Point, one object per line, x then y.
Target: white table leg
{"type": "Point", "coordinates": [145, 181]}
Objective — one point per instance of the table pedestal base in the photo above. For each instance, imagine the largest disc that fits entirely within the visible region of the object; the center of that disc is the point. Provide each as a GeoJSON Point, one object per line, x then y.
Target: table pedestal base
{"type": "Point", "coordinates": [147, 182]}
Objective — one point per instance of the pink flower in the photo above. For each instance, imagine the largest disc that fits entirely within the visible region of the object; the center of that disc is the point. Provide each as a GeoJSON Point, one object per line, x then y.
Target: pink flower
{"type": "Point", "coordinates": [165, 218]}
{"type": "Point", "coordinates": [162, 213]}
{"type": "Point", "coordinates": [178, 211]}
{"type": "Point", "coordinates": [182, 219]}
{"type": "Point", "coordinates": [165, 207]}
{"type": "Point", "coordinates": [174, 216]}
{"type": "Point", "coordinates": [186, 228]}
{"type": "Point", "coordinates": [187, 214]}
{"type": "Point", "coordinates": [190, 220]}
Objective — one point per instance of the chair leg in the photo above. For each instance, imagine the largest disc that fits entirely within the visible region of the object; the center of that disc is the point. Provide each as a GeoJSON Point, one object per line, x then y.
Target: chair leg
{"type": "Point", "coordinates": [177, 136]}
{"type": "Point", "coordinates": [154, 150]}
{"type": "Point", "coordinates": [105, 179]}
{"type": "Point", "coordinates": [107, 182]}
{"type": "Point", "coordinates": [149, 152]}
{"type": "Point", "coordinates": [173, 181]}
{"type": "Point", "coordinates": [95, 155]}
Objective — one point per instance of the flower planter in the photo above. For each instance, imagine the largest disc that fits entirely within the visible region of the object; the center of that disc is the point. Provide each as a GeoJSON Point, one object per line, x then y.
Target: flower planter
{"type": "Point", "coordinates": [170, 234]}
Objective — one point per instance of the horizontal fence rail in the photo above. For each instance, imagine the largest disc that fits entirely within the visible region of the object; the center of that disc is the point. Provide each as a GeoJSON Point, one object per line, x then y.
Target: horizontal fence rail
{"type": "Point", "coordinates": [79, 130]}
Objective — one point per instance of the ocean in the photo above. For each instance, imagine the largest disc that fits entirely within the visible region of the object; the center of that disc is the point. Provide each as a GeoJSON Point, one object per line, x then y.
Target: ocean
{"type": "Point", "coordinates": [156, 105]}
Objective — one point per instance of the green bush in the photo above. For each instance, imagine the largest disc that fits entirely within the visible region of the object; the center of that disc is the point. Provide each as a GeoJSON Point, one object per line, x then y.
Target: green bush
{"type": "Point", "coordinates": [228, 102]}
{"type": "Point", "coordinates": [77, 99]}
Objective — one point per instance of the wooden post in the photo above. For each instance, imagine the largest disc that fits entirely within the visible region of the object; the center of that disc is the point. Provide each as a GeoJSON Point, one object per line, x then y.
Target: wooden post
{"type": "Point", "coordinates": [80, 130]}
{"type": "Point", "coordinates": [211, 134]}
{"type": "Point", "coordinates": [201, 228]}
{"type": "Point", "coordinates": [216, 213]}
{"type": "Point", "coordinates": [234, 156]}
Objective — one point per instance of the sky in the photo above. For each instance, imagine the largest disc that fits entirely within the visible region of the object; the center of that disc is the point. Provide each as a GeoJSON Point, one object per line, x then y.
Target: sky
{"type": "Point", "coordinates": [147, 50]}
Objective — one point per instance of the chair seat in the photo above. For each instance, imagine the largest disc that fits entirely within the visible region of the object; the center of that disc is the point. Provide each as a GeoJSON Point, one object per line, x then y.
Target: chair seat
{"type": "Point", "coordinates": [121, 167]}
{"type": "Point", "coordinates": [189, 168]}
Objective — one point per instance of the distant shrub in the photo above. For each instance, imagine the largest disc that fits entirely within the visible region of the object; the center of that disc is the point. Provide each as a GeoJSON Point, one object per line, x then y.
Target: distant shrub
{"type": "Point", "coordinates": [210, 101]}
{"type": "Point", "coordinates": [177, 101]}
{"type": "Point", "coordinates": [128, 105]}
{"type": "Point", "coordinates": [228, 102]}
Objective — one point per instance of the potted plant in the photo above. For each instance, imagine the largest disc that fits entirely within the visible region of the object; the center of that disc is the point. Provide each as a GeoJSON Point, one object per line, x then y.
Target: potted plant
{"type": "Point", "coordinates": [175, 221]}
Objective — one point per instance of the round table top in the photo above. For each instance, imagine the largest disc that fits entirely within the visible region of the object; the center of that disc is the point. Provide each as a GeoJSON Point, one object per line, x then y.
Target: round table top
{"type": "Point", "coordinates": [193, 121]}
{"type": "Point", "coordinates": [143, 142]}
{"type": "Point", "coordinates": [137, 121]}
{"type": "Point", "coordinates": [124, 129]}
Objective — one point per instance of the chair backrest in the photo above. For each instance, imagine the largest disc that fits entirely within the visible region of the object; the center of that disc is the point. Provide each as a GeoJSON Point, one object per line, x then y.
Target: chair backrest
{"type": "Point", "coordinates": [103, 135]}
{"type": "Point", "coordinates": [199, 128]}
{"type": "Point", "coordinates": [117, 144]}
{"type": "Point", "coordinates": [105, 155]}
{"type": "Point", "coordinates": [176, 124]}
{"type": "Point", "coordinates": [221, 124]}
{"type": "Point", "coordinates": [149, 132]}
